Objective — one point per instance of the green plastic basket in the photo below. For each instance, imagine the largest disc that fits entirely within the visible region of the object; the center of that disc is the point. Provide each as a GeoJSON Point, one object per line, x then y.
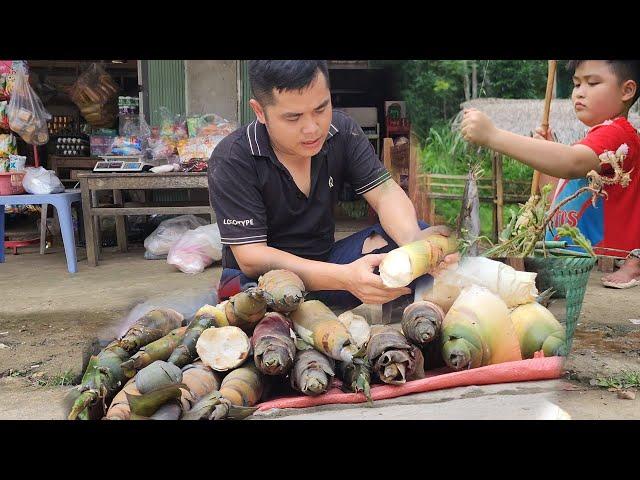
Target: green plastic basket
{"type": "Point", "coordinates": [569, 277]}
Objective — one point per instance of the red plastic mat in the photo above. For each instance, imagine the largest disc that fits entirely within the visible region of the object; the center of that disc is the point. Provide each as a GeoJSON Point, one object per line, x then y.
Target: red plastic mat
{"type": "Point", "coordinates": [542, 368]}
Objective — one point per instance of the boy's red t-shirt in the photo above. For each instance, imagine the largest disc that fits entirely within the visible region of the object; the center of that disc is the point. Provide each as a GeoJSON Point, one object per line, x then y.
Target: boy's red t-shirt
{"type": "Point", "coordinates": [615, 221]}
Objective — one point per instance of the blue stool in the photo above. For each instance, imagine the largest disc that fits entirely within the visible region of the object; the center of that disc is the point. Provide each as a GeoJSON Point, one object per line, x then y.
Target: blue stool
{"type": "Point", "coordinates": [62, 202]}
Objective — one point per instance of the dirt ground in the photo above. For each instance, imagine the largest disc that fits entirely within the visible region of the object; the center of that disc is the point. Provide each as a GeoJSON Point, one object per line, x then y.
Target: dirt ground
{"type": "Point", "coordinates": [49, 319]}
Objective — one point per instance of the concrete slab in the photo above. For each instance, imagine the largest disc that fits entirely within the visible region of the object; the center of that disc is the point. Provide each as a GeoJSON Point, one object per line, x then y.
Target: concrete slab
{"type": "Point", "coordinates": [521, 401]}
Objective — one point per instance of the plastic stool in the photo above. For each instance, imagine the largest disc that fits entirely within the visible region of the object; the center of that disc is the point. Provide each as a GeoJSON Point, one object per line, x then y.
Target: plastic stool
{"type": "Point", "coordinates": [62, 203]}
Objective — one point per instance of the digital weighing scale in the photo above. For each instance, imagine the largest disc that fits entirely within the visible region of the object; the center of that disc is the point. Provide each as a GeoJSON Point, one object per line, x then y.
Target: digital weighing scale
{"type": "Point", "coordinates": [120, 163]}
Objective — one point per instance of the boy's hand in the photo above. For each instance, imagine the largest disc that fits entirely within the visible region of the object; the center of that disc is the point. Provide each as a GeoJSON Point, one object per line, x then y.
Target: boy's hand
{"type": "Point", "coordinates": [477, 127]}
{"type": "Point", "coordinates": [540, 134]}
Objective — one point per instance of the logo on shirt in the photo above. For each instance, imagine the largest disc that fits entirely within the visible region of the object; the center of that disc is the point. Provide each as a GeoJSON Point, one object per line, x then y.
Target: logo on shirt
{"type": "Point", "coordinates": [330, 182]}
{"type": "Point", "coordinates": [244, 223]}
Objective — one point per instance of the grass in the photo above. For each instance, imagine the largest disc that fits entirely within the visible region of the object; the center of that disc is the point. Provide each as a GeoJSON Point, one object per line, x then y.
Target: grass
{"type": "Point", "coordinates": [625, 379]}
{"type": "Point", "coordinates": [58, 380]}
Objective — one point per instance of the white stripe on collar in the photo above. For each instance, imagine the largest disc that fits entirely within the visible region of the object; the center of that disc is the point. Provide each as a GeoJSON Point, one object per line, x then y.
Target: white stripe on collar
{"type": "Point", "coordinates": [255, 136]}
{"type": "Point", "coordinates": [249, 138]}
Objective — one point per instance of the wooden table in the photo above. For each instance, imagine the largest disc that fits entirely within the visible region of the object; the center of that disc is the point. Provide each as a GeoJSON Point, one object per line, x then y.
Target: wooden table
{"type": "Point", "coordinates": [58, 163]}
{"type": "Point", "coordinates": [91, 183]}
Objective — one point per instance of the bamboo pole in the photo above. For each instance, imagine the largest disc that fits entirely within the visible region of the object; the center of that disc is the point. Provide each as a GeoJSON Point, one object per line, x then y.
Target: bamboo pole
{"type": "Point", "coordinates": [500, 192]}
{"type": "Point", "coordinates": [545, 116]}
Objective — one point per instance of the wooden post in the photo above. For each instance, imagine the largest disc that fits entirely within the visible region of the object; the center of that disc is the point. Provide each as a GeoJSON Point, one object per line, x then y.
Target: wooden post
{"type": "Point", "coordinates": [499, 192]}
{"type": "Point", "coordinates": [387, 143]}
{"type": "Point", "coordinates": [89, 227]}
{"type": "Point", "coordinates": [121, 228]}
{"type": "Point", "coordinates": [606, 264]}
{"type": "Point", "coordinates": [413, 166]}
{"type": "Point", "coordinates": [494, 194]}
{"type": "Point", "coordinates": [97, 223]}
{"type": "Point", "coordinates": [431, 204]}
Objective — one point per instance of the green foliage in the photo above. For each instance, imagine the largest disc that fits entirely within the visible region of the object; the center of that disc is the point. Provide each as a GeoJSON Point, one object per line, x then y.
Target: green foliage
{"type": "Point", "coordinates": [516, 78]}
{"type": "Point", "coordinates": [445, 152]}
{"type": "Point", "coordinates": [434, 89]}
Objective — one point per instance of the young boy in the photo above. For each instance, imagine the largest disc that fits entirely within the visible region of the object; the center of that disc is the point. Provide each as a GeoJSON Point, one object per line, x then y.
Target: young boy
{"type": "Point", "coordinates": [603, 93]}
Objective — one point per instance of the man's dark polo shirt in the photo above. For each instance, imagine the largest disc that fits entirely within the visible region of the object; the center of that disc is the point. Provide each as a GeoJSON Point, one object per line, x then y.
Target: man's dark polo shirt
{"type": "Point", "coordinates": [256, 199]}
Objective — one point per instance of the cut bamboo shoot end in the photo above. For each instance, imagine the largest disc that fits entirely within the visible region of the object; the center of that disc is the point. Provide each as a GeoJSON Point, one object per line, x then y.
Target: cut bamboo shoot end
{"type": "Point", "coordinates": [223, 348]}
{"type": "Point", "coordinates": [358, 327]}
{"type": "Point", "coordinates": [396, 270]}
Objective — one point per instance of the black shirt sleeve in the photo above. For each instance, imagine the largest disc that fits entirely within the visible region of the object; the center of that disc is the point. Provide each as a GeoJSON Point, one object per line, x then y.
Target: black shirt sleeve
{"type": "Point", "coordinates": [236, 197]}
{"type": "Point", "coordinates": [365, 171]}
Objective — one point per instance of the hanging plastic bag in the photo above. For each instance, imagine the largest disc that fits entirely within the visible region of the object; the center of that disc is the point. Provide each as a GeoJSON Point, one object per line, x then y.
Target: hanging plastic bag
{"type": "Point", "coordinates": [27, 116]}
{"type": "Point", "coordinates": [196, 249]}
{"type": "Point", "coordinates": [169, 232]}
{"type": "Point", "coordinates": [41, 181]}
{"type": "Point", "coordinates": [94, 86]}
{"type": "Point", "coordinates": [96, 95]}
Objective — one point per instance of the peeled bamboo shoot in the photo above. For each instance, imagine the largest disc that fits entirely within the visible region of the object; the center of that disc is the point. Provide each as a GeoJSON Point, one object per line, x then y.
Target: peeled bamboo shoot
{"type": "Point", "coordinates": [284, 290]}
{"type": "Point", "coordinates": [358, 327]}
{"type": "Point", "coordinates": [223, 348]}
{"type": "Point", "coordinates": [404, 264]}
{"type": "Point", "coordinates": [477, 331]}
{"type": "Point", "coordinates": [538, 329]}
{"type": "Point", "coordinates": [512, 286]}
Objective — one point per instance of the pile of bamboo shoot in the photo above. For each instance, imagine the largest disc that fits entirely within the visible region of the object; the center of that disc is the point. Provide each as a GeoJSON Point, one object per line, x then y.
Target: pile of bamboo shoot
{"type": "Point", "coordinates": [230, 356]}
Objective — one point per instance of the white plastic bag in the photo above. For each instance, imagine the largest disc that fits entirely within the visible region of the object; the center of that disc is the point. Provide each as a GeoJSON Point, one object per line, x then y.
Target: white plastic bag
{"type": "Point", "coordinates": [41, 181]}
{"type": "Point", "coordinates": [196, 249]}
{"type": "Point", "coordinates": [27, 116]}
{"type": "Point", "coordinates": [168, 233]}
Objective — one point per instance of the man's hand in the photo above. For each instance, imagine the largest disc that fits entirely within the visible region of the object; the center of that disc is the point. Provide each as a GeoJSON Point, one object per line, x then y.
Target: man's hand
{"type": "Point", "coordinates": [361, 282]}
{"type": "Point", "coordinates": [477, 127]}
